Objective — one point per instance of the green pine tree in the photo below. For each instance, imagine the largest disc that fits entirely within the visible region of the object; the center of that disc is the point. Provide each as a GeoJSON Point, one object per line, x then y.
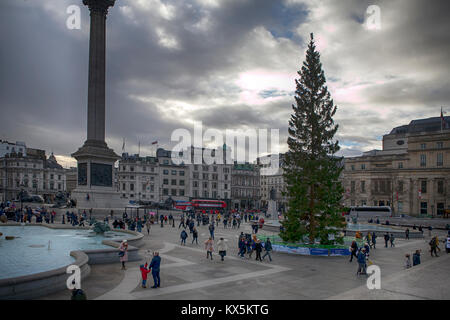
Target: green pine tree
{"type": "Point", "coordinates": [311, 169]}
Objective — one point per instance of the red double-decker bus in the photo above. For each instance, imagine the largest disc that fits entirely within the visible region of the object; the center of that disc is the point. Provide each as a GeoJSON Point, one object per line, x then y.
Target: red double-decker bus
{"type": "Point", "coordinates": [199, 204]}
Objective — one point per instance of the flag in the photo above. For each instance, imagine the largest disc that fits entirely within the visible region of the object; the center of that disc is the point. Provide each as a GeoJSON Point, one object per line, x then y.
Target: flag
{"type": "Point", "coordinates": [155, 142]}
{"type": "Point", "coordinates": [123, 145]}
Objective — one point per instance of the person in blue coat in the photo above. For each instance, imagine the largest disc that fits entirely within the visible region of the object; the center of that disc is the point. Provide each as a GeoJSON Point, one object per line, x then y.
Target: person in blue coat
{"type": "Point", "coordinates": [155, 265]}
{"type": "Point", "coordinates": [362, 262]}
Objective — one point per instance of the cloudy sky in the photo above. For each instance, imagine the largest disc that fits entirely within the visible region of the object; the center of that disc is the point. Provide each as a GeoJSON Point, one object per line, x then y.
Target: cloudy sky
{"type": "Point", "coordinates": [230, 64]}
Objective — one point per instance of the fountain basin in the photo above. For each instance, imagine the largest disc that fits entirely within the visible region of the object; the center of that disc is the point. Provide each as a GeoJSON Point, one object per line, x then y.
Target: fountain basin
{"type": "Point", "coordinates": [30, 269]}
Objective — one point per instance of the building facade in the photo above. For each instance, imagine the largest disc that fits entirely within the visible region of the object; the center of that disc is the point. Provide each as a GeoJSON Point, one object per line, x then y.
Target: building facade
{"type": "Point", "coordinates": [138, 178]}
{"type": "Point", "coordinates": [411, 174]}
{"type": "Point", "coordinates": [34, 173]}
{"type": "Point", "coordinates": [245, 186]}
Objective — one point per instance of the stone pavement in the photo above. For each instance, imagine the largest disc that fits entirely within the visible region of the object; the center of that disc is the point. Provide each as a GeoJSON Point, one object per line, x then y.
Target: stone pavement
{"type": "Point", "coordinates": [187, 274]}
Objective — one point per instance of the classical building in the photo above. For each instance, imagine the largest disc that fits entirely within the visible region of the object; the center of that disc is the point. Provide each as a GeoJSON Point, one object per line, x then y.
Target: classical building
{"type": "Point", "coordinates": [411, 174]}
{"type": "Point", "coordinates": [173, 178]}
{"type": "Point", "coordinates": [138, 178]}
{"type": "Point", "coordinates": [34, 173]}
{"type": "Point", "coordinates": [245, 186]}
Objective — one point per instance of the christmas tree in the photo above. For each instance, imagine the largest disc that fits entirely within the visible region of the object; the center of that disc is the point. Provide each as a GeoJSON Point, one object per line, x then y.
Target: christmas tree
{"type": "Point", "coordinates": [311, 170]}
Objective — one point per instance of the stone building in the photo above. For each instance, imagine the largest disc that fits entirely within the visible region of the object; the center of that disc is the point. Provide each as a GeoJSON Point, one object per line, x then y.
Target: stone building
{"type": "Point", "coordinates": [34, 173]}
{"type": "Point", "coordinates": [138, 178]}
{"type": "Point", "coordinates": [245, 186]}
{"type": "Point", "coordinates": [411, 174]}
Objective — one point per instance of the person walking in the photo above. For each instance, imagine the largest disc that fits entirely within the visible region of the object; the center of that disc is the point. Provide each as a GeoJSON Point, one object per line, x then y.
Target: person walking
{"type": "Point", "coordinates": [211, 230]}
{"type": "Point", "coordinates": [123, 254]}
{"type": "Point", "coordinates": [386, 240]}
{"type": "Point", "coordinates": [374, 240]}
{"type": "Point", "coordinates": [258, 249]}
{"type": "Point", "coordinates": [209, 247]}
{"type": "Point", "coordinates": [195, 235]}
{"type": "Point", "coordinates": [183, 237]}
{"type": "Point", "coordinates": [148, 224]}
{"type": "Point", "coordinates": [353, 250]}
{"type": "Point", "coordinates": [416, 258]}
{"type": "Point", "coordinates": [430, 228]}
{"type": "Point", "coordinates": [433, 247]}
{"type": "Point", "coordinates": [241, 246]}
{"type": "Point", "coordinates": [391, 239]}
{"type": "Point", "coordinates": [268, 248]}
{"type": "Point", "coordinates": [407, 234]}
{"type": "Point", "coordinates": [222, 248]}
{"type": "Point", "coordinates": [182, 222]}
{"type": "Point", "coordinates": [155, 266]}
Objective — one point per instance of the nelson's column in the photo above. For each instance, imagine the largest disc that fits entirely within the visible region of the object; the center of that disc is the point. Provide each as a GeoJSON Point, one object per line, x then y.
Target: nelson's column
{"type": "Point", "coordinates": [95, 187]}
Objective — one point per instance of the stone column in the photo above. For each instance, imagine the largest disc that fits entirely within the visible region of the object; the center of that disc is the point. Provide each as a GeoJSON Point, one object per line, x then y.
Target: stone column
{"type": "Point", "coordinates": [96, 88]}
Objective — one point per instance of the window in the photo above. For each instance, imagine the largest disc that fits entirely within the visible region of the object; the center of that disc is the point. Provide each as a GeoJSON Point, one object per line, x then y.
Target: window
{"type": "Point", "coordinates": [440, 159]}
{"type": "Point", "coordinates": [423, 186]}
{"type": "Point", "coordinates": [363, 166]}
{"type": "Point", "coordinates": [131, 177]}
{"type": "Point", "coordinates": [173, 182]}
{"type": "Point", "coordinates": [440, 186]}
{"type": "Point", "coordinates": [166, 162]}
{"type": "Point", "coordinates": [226, 195]}
{"type": "Point", "coordinates": [166, 192]}
{"type": "Point", "coordinates": [363, 186]}
{"type": "Point", "coordinates": [439, 145]}
{"type": "Point", "coordinates": [181, 182]}
{"type": "Point", "coordinates": [423, 160]}
{"type": "Point", "coordinates": [215, 169]}
{"type": "Point", "coordinates": [124, 187]}
{"type": "Point", "coordinates": [226, 177]}
{"type": "Point", "coordinates": [51, 176]}
{"type": "Point", "coordinates": [195, 175]}
{"type": "Point", "coordinates": [181, 192]}
{"type": "Point", "coordinates": [131, 186]}
{"type": "Point", "coordinates": [182, 173]}
{"type": "Point", "coordinates": [353, 167]}
{"type": "Point", "coordinates": [144, 168]}
{"type": "Point", "coordinates": [166, 181]}
{"type": "Point", "coordinates": [214, 185]}
{"type": "Point", "coordinates": [226, 186]}
{"type": "Point", "coordinates": [165, 172]}
{"type": "Point", "coordinates": [205, 176]}
{"type": "Point", "coordinates": [423, 146]}
{"type": "Point", "coordinates": [400, 165]}
{"type": "Point", "coordinates": [131, 168]}
{"type": "Point", "coordinates": [205, 168]}
{"type": "Point", "coordinates": [174, 192]}
{"type": "Point", "coordinates": [205, 185]}
{"type": "Point", "coordinates": [195, 184]}
{"type": "Point", "coordinates": [195, 193]}
{"type": "Point", "coordinates": [59, 177]}
{"type": "Point", "coordinates": [59, 186]}
{"type": "Point", "coordinates": [423, 207]}
{"type": "Point", "coordinates": [352, 186]}
{"type": "Point", "coordinates": [206, 194]}
{"type": "Point", "coordinates": [195, 167]}
{"type": "Point", "coordinates": [152, 187]}
{"type": "Point", "coordinates": [174, 172]}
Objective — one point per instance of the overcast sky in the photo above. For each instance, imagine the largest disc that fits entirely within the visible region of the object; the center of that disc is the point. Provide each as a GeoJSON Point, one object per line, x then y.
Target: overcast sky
{"type": "Point", "coordinates": [230, 64]}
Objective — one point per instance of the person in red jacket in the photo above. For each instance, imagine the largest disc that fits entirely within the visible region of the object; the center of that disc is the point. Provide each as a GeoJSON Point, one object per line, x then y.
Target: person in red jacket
{"type": "Point", "coordinates": [144, 272]}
